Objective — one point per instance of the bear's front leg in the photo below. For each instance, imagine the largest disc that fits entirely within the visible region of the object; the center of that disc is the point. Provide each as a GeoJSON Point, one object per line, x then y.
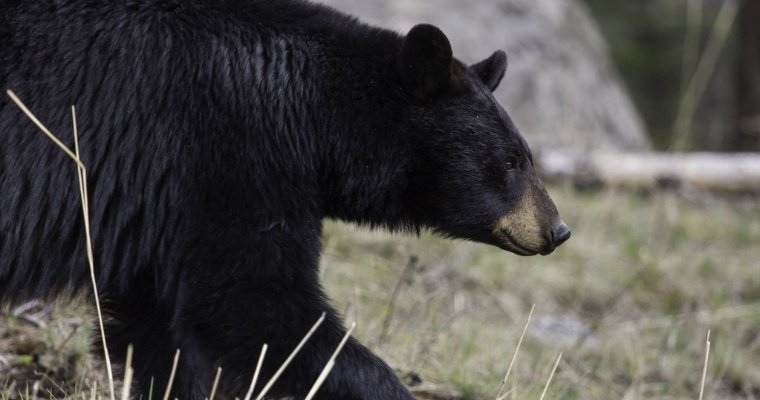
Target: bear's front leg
{"type": "Point", "coordinates": [359, 374]}
{"type": "Point", "coordinates": [266, 290]}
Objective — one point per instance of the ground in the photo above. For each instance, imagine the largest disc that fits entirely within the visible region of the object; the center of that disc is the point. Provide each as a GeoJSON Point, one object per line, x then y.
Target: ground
{"type": "Point", "coordinates": [628, 301]}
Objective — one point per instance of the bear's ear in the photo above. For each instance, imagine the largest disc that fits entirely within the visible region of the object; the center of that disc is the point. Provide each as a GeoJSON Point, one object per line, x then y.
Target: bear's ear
{"type": "Point", "coordinates": [492, 69]}
{"type": "Point", "coordinates": [425, 61]}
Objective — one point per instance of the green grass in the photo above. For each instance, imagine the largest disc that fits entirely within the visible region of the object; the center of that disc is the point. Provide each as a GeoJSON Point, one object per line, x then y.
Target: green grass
{"type": "Point", "coordinates": [45, 351]}
{"type": "Point", "coordinates": [643, 277]}
{"type": "Point", "coordinates": [628, 300]}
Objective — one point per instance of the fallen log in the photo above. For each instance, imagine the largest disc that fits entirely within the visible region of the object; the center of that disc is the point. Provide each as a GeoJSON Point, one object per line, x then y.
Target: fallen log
{"type": "Point", "coordinates": [720, 172]}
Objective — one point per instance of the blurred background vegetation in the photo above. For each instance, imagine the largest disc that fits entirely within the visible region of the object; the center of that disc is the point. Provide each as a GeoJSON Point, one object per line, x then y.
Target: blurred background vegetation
{"type": "Point", "coordinates": [657, 46]}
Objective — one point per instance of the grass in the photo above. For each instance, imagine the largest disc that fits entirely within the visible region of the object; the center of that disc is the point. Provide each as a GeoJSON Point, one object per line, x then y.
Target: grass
{"type": "Point", "coordinates": [628, 301]}
{"type": "Point", "coordinates": [45, 350]}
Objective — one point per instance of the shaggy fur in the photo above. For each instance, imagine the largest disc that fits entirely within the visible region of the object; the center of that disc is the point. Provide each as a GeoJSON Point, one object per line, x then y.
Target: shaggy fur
{"type": "Point", "coordinates": [217, 136]}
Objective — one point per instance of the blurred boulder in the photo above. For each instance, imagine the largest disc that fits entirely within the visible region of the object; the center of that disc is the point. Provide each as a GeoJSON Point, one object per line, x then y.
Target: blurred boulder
{"type": "Point", "coordinates": [561, 88]}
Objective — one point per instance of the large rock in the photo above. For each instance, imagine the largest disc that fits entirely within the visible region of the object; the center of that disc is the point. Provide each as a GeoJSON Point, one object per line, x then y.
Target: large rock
{"type": "Point", "coordinates": [561, 88]}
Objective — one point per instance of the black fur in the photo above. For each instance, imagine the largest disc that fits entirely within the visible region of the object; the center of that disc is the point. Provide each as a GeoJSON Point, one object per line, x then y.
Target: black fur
{"type": "Point", "coordinates": [492, 69]}
{"type": "Point", "coordinates": [217, 136]}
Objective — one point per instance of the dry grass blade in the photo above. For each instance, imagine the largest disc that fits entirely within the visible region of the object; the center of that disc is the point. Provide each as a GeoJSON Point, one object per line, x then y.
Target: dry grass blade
{"type": "Point", "coordinates": [290, 358]}
{"type": "Point", "coordinates": [701, 78]}
{"type": "Point", "coordinates": [42, 127]}
{"type": "Point", "coordinates": [128, 371]}
{"type": "Point", "coordinates": [690, 54]}
{"type": "Point", "coordinates": [82, 175]}
{"type": "Point", "coordinates": [514, 356]}
{"type": "Point", "coordinates": [391, 306]}
{"type": "Point", "coordinates": [704, 369]}
{"type": "Point", "coordinates": [215, 385]}
{"type": "Point", "coordinates": [330, 363]}
{"type": "Point", "coordinates": [256, 372]}
{"type": "Point", "coordinates": [51, 381]}
{"type": "Point", "coordinates": [171, 376]}
{"type": "Point", "coordinates": [549, 381]}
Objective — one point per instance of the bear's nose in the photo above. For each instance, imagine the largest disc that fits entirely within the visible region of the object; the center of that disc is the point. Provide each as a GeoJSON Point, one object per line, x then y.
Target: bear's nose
{"type": "Point", "coordinates": [560, 234]}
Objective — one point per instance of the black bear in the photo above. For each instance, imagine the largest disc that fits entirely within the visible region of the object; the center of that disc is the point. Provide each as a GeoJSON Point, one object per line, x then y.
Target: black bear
{"type": "Point", "coordinates": [218, 134]}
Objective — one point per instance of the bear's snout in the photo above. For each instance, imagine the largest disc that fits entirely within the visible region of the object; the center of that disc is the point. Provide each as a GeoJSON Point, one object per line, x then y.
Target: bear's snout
{"type": "Point", "coordinates": [555, 237]}
{"type": "Point", "coordinates": [560, 234]}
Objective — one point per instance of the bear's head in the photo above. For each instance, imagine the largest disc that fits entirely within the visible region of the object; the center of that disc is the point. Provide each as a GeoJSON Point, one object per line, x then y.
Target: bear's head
{"type": "Point", "coordinates": [473, 174]}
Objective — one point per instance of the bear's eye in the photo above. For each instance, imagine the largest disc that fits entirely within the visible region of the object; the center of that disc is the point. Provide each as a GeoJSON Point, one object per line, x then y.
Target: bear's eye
{"type": "Point", "coordinates": [510, 164]}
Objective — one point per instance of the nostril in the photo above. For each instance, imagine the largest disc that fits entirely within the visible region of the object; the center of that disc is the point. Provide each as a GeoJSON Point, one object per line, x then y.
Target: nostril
{"type": "Point", "coordinates": [560, 234]}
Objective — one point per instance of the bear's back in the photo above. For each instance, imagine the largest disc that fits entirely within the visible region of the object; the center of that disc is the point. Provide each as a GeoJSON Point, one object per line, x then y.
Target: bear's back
{"type": "Point", "coordinates": [152, 82]}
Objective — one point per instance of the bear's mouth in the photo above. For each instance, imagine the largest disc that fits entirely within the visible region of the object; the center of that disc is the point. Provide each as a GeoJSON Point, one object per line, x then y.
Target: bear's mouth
{"type": "Point", "coordinates": [510, 244]}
